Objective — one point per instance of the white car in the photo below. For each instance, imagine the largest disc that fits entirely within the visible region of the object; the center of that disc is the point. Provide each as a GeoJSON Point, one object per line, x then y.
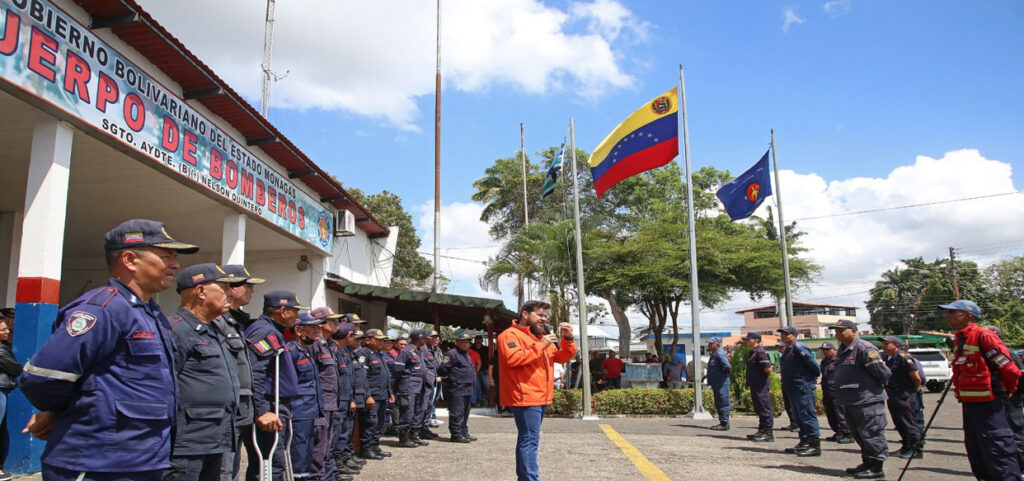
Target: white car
{"type": "Point", "coordinates": [936, 367]}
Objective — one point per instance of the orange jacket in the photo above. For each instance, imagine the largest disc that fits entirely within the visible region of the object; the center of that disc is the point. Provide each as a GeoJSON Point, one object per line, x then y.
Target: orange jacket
{"type": "Point", "coordinates": [527, 367]}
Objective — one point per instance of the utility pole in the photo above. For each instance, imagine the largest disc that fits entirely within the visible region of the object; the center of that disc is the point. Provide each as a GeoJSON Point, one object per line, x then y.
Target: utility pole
{"type": "Point", "coordinates": [952, 268]}
{"type": "Point", "coordinates": [268, 49]}
{"type": "Point", "coordinates": [437, 158]}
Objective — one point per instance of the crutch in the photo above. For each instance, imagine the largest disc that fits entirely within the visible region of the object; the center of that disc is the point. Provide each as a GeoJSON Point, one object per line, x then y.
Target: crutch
{"type": "Point", "coordinates": [288, 474]}
{"type": "Point", "coordinates": [267, 464]}
{"type": "Point", "coordinates": [949, 384]}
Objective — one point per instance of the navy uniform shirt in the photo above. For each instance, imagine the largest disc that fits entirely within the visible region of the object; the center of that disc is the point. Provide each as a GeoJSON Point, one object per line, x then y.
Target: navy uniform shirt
{"type": "Point", "coordinates": [229, 325]}
{"type": "Point", "coordinates": [828, 373]}
{"type": "Point", "coordinates": [345, 388]}
{"type": "Point", "coordinates": [799, 369]}
{"type": "Point", "coordinates": [359, 389]}
{"type": "Point", "coordinates": [430, 364]}
{"type": "Point", "coordinates": [860, 374]}
{"type": "Point", "coordinates": [458, 373]}
{"type": "Point", "coordinates": [756, 364]}
{"type": "Point", "coordinates": [378, 376]}
{"type": "Point", "coordinates": [207, 387]}
{"type": "Point", "coordinates": [327, 368]}
{"type": "Point", "coordinates": [266, 341]}
{"type": "Point", "coordinates": [108, 371]}
{"type": "Point", "coordinates": [408, 371]}
{"type": "Point", "coordinates": [718, 368]}
{"type": "Point", "coordinates": [900, 365]}
{"type": "Point", "coordinates": [308, 402]}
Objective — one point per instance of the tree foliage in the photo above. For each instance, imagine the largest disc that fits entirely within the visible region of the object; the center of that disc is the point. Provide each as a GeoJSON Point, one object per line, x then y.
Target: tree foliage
{"type": "Point", "coordinates": [906, 299]}
{"type": "Point", "coordinates": [411, 270]}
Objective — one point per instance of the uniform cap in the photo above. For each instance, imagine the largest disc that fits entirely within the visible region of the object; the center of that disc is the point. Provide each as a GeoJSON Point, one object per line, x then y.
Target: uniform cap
{"type": "Point", "coordinates": [345, 329]}
{"type": "Point", "coordinates": [715, 340]}
{"type": "Point", "coordinates": [376, 334]}
{"type": "Point", "coordinates": [282, 299]}
{"type": "Point", "coordinates": [360, 334]}
{"type": "Point", "coordinates": [827, 345]}
{"type": "Point", "coordinates": [844, 324]}
{"type": "Point", "coordinates": [464, 337]}
{"type": "Point", "coordinates": [325, 313]}
{"type": "Point", "coordinates": [963, 305]}
{"type": "Point", "coordinates": [192, 276]}
{"type": "Point", "coordinates": [893, 339]}
{"type": "Point", "coordinates": [307, 320]}
{"type": "Point", "coordinates": [239, 270]}
{"type": "Point", "coordinates": [143, 233]}
{"type": "Point", "coordinates": [353, 318]}
{"type": "Point", "coordinates": [434, 333]}
{"type": "Point", "coordinates": [753, 335]}
{"type": "Point", "coordinates": [787, 330]}
{"type": "Point", "coordinates": [417, 335]}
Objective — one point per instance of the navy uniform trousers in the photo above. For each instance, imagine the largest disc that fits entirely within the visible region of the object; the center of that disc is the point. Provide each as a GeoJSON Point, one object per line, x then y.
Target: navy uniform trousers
{"type": "Point", "coordinates": [867, 426]}
{"type": "Point", "coordinates": [762, 406]}
{"type": "Point", "coordinates": [371, 425]}
{"type": "Point", "coordinates": [990, 445]}
{"type": "Point", "coordinates": [344, 424]}
{"type": "Point", "coordinates": [322, 466]}
{"type": "Point", "coordinates": [902, 406]}
{"type": "Point", "coordinates": [834, 414]}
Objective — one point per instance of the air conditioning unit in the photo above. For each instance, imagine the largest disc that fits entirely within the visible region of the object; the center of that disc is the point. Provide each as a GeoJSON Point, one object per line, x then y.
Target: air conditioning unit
{"type": "Point", "coordinates": [344, 224]}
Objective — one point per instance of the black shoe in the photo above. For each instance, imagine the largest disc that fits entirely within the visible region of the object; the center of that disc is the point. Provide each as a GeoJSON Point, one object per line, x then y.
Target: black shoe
{"type": "Point", "coordinates": [720, 427]}
{"type": "Point", "coordinates": [427, 434]}
{"type": "Point", "coordinates": [391, 431]}
{"type": "Point", "coordinates": [832, 438]}
{"type": "Point", "coordinates": [365, 454]}
{"type": "Point", "coordinates": [799, 447]}
{"type": "Point", "coordinates": [763, 437]}
{"type": "Point", "coordinates": [414, 436]}
{"type": "Point", "coordinates": [791, 428]}
{"type": "Point", "coordinates": [355, 462]}
{"type": "Point", "coordinates": [898, 453]}
{"type": "Point", "coordinates": [909, 454]}
{"type": "Point", "coordinates": [756, 434]}
{"type": "Point", "coordinates": [813, 448]}
{"type": "Point", "coordinates": [383, 454]}
{"type": "Point", "coordinates": [873, 470]}
{"type": "Point", "coordinates": [467, 436]}
{"type": "Point", "coordinates": [345, 469]}
{"type": "Point", "coordinates": [345, 477]}
{"type": "Point", "coordinates": [863, 466]}
{"type": "Point", "coordinates": [458, 438]}
{"type": "Point", "coordinates": [405, 440]}
{"type": "Point", "coordinates": [841, 439]}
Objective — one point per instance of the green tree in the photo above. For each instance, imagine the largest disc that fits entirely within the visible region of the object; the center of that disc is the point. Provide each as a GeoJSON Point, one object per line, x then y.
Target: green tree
{"type": "Point", "coordinates": [410, 270]}
{"type": "Point", "coordinates": [1005, 307]}
{"type": "Point", "coordinates": [905, 299]}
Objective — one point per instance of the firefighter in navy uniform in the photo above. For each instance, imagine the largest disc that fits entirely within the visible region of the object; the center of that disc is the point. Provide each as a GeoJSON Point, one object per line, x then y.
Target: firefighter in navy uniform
{"type": "Point", "coordinates": [351, 396]}
{"type": "Point", "coordinates": [1014, 412]}
{"type": "Point", "coordinates": [458, 373]}
{"type": "Point", "coordinates": [378, 382]}
{"type": "Point", "coordinates": [207, 376]}
{"type": "Point", "coordinates": [426, 396]}
{"type": "Point", "coordinates": [860, 377]}
{"type": "Point", "coordinates": [984, 377]}
{"type": "Point", "coordinates": [759, 369]}
{"type": "Point", "coordinates": [308, 404]}
{"type": "Point", "coordinates": [324, 353]}
{"type": "Point", "coordinates": [265, 336]}
{"type": "Point", "coordinates": [902, 391]}
{"type": "Point", "coordinates": [718, 378]}
{"type": "Point", "coordinates": [408, 372]}
{"type": "Point", "coordinates": [232, 325]}
{"type": "Point", "coordinates": [799, 380]}
{"type": "Point", "coordinates": [104, 381]}
{"type": "Point", "coordinates": [833, 412]}
{"type": "Point", "coordinates": [363, 399]}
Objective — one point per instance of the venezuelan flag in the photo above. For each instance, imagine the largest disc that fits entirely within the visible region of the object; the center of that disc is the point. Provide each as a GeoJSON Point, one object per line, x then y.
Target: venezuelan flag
{"type": "Point", "coordinates": [646, 140]}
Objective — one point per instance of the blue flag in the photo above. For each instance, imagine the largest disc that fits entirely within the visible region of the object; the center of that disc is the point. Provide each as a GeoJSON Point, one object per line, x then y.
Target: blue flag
{"type": "Point", "coordinates": [552, 178]}
{"type": "Point", "coordinates": [745, 193]}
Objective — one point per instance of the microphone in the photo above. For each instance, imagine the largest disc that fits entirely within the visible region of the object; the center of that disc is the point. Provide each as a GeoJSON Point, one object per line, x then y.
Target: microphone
{"type": "Point", "coordinates": [547, 330]}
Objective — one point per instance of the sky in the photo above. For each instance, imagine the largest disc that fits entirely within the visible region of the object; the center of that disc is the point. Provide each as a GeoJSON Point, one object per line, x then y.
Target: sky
{"type": "Point", "coordinates": [874, 105]}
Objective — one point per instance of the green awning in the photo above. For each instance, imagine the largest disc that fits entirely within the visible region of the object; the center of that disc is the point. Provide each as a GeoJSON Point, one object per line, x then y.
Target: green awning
{"type": "Point", "coordinates": [418, 306]}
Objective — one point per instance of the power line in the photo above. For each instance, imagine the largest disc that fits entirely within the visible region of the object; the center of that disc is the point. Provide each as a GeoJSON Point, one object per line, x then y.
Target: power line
{"type": "Point", "coordinates": [842, 214]}
{"type": "Point", "coordinates": [454, 258]}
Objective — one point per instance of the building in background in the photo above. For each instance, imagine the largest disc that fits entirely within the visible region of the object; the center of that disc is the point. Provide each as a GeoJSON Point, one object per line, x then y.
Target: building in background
{"type": "Point", "coordinates": [809, 318]}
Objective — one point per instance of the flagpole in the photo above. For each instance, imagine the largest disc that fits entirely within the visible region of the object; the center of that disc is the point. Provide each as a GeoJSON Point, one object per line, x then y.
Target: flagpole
{"type": "Point", "coordinates": [581, 294]}
{"type": "Point", "coordinates": [437, 160]}
{"type": "Point", "coordinates": [698, 372]}
{"type": "Point", "coordinates": [782, 236]}
{"type": "Point", "coordinates": [526, 207]}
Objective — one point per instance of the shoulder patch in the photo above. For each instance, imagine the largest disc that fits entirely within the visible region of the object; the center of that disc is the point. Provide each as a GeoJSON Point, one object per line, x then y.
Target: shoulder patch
{"type": "Point", "coordinates": [872, 354]}
{"type": "Point", "coordinates": [511, 345]}
{"type": "Point", "coordinates": [80, 322]}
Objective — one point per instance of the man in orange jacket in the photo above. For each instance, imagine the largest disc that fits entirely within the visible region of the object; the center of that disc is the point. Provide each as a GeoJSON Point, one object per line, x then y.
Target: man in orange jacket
{"type": "Point", "coordinates": [526, 356]}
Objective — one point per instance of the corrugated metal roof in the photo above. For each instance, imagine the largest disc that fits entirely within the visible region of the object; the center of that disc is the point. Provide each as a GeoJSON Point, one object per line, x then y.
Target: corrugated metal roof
{"type": "Point", "coordinates": [168, 54]}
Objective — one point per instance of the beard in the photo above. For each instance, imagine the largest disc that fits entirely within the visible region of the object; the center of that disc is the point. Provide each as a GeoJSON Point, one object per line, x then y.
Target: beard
{"type": "Point", "coordinates": [539, 329]}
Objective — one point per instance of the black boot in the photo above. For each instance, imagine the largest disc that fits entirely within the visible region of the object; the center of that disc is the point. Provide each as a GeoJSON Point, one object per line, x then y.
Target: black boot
{"type": "Point", "coordinates": [799, 447]}
{"type": "Point", "coordinates": [756, 434]}
{"type": "Point", "coordinates": [405, 440]}
{"type": "Point", "coordinates": [720, 427]}
{"type": "Point", "coordinates": [764, 437]}
{"type": "Point", "coordinates": [813, 448]}
{"type": "Point", "coordinates": [873, 470]}
{"type": "Point", "coordinates": [844, 439]}
{"type": "Point", "coordinates": [427, 434]}
{"type": "Point", "coordinates": [355, 462]}
{"type": "Point", "coordinates": [414, 436]}
{"type": "Point", "coordinates": [909, 453]}
{"type": "Point", "coordinates": [378, 452]}
{"type": "Point", "coordinates": [458, 438]}
{"type": "Point", "coordinates": [860, 467]}
{"type": "Point", "coordinates": [468, 436]}
{"type": "Point", "coordinates": [345, 469]}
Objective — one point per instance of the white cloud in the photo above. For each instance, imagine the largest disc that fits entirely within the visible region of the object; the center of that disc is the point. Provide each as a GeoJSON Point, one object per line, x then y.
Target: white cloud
{"type": "Point", "coordinates": [463, 236]}
{"type": "Point", "coordinates": [790, 18]}
{"type": "Point", "coordinates": [836, 8]}
{"type": "Point", "coordinates": [375, 58]}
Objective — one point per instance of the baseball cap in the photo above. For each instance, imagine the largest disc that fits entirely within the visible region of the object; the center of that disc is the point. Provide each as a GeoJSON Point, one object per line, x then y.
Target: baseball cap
{"type": "Point", "coordinates": [963, 305]}
{"type": "Point", "coordinates": [353, 318]}
{"type": "Point", "coordinates": [345, 329]}
{"type": "Point", "coordinates": [434, 333]}
{"type": "Point", "coordinates": [465, 336]}
{"type": "Point", "coordinates": [753, 335]}
{"type": "Point", "coordinates": [238, 270]}
{"type": "Point", "coordinates": [143, 233]}
{"type": "Point", "coordinates": [417, 334]}
{"type": "Point", "coordinates": [282, 299]}
{"type": "Point", "coordinates": [893, 339]}
{"type": "Point", "coordinates": [360, 334]}
{"type": "Point", "coordinates": [787, 330]}
{"type": "Point", "coordinates": [844, 324]}
{"type": "Point", "coordinates": [715, 340]}
{"type": "Point", "coordinates": [307, 320]}
{"type": "Point", "coordinates": [325, 313]}
{"type": "Point", "coordinates": [827, 345]}
{"type": "Point", "coordinates": [192, 276]}
{"type": "Point", "coordinates": [376, 334]}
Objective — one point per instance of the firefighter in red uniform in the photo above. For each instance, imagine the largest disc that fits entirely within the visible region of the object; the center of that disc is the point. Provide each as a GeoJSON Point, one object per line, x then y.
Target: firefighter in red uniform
{"type": "Point", "coordinates": [984, 377]}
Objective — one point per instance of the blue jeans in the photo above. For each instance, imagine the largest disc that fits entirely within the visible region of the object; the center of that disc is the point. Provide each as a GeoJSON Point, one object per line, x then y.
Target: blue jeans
{"type": "Point", "coordinates": [5, 441]}
{"type": "Point", "coordinates": [481, 387]}
{"type": "Point", "coordinates": [528, 421]}
{"type": "Point", "coordinates": [722, 401]}
{"type": "Point", "coordinates": [801, 403]}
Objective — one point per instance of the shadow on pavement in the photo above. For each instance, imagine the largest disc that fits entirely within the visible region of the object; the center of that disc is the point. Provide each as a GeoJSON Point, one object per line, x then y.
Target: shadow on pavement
{"type": "Point", "coordinates": [803, 468]}
{"type": "Point", "coordinates": [946, 471]}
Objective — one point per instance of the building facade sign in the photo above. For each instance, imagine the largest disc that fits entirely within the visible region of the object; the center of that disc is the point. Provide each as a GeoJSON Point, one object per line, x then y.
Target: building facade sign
{"type": "Point", "coordinates": [48, 54]}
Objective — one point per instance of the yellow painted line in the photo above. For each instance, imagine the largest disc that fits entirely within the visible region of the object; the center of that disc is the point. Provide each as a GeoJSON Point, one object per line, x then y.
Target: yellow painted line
{"type": "Point", "coordinates": [646, 467]}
